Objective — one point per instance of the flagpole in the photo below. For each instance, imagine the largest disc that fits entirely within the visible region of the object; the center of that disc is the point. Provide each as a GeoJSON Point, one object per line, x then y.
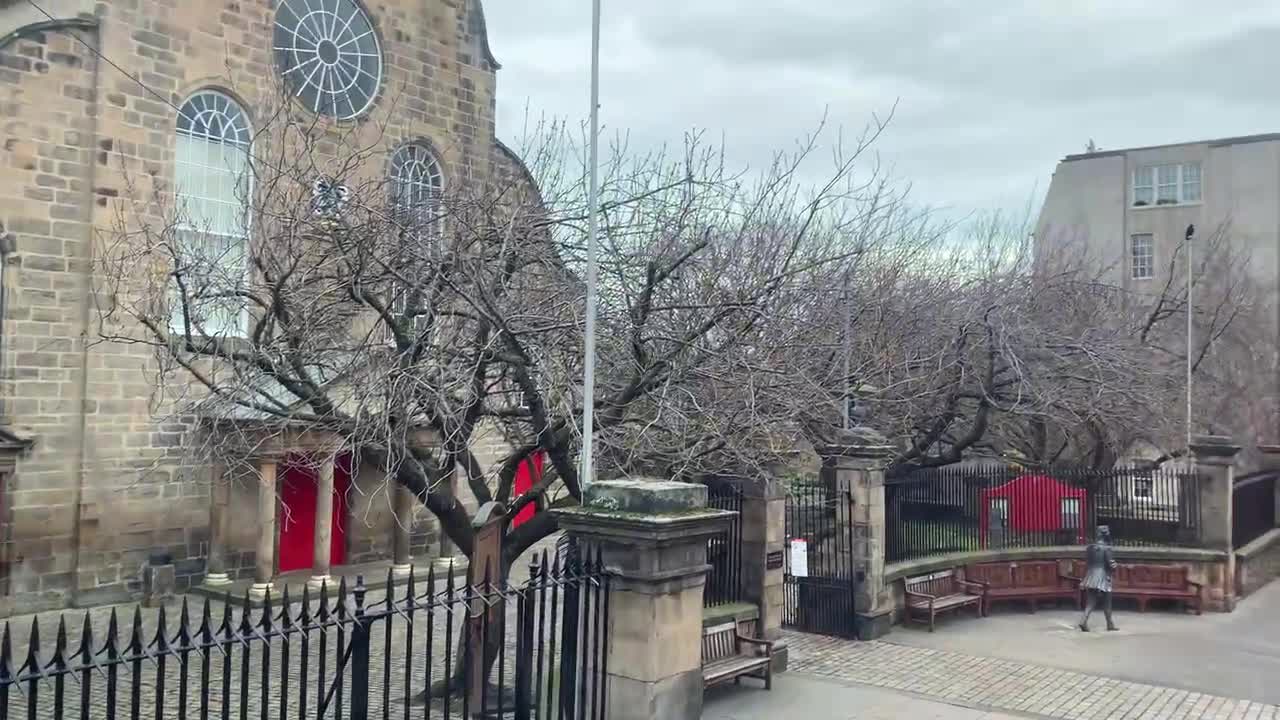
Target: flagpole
{"type": "Point", "coordinates": [593, 198]}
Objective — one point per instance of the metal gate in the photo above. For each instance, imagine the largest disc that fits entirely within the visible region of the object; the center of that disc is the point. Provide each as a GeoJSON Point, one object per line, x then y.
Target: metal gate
{"type": "Point", "coordinates": [819, 579]}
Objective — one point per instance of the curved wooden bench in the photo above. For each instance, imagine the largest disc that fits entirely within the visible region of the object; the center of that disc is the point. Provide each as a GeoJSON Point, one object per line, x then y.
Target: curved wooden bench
{"type": "Point", "coordinates": [1144, 582]}
{"type": "Point", "coordinates": [1026, 580]}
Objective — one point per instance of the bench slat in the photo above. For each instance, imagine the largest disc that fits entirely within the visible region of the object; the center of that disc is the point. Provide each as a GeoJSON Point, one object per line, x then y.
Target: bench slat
{"type": "Point", "coordinates": [725, 656]}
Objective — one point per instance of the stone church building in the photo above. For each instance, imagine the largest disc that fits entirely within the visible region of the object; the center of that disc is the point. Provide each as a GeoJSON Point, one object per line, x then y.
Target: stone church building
{"type": "Point", "coordinates": [95, 92]}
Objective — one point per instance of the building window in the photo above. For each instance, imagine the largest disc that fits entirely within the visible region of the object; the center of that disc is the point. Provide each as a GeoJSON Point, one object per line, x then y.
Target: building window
{"type": "Point", "coordinates": [417, 189]}
{"type": "Point", "coordinates": [999, 513]}
{"type": "Point", "coordinates": [329, 55]}
{"type": "Point", "coordinates": [1142, 256]}
{"type": "Point", "coordinates": [1142, 487]}
{"type": "Point", "coordinates": [417, 185]}
{"type": "Point", "coordinates": [1171, 184]}
{"type": "Point", "coordinates": [1144, 186]}
{"type": "Point", "coordinates": [212, 190]}
{"type": "Point", "coordinates": [1070, 511]}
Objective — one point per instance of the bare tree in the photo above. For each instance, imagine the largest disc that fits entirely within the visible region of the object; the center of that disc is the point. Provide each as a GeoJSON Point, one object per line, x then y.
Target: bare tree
{"type": "Point", "coordinates": [414, 331]}
{"type": "Point", "coordinates": [990, 344]}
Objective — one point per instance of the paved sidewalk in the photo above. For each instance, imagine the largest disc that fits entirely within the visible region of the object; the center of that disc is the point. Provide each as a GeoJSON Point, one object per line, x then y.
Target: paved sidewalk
{"type": "Point", "coordinates": [814, 698]}
{"type": "Point", "coordinates": [1004, 685]}
{"type": "Point", "coordinates": [1234, 654]}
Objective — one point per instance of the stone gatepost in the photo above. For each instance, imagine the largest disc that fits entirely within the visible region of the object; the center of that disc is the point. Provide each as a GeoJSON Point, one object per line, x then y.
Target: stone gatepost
{"type": "Point", "coordinates": [653, 538]}
{"type": "Point", "coordinates": [764, 531]}
{"type": "Point", "coordinates": [1271, 461]}
{"type": "Point", "coordinates": [1214, 457]}
{"type": "Point", "coordinates": [855, 463]}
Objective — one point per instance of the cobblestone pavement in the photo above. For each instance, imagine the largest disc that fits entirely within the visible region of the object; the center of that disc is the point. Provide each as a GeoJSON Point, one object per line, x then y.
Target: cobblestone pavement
{"type": "Point", "coordinates": [1007, 686]}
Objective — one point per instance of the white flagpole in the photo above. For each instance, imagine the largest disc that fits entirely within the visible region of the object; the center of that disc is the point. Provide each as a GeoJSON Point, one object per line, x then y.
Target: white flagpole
{"type": "Point", "coordinates": [593, 198]}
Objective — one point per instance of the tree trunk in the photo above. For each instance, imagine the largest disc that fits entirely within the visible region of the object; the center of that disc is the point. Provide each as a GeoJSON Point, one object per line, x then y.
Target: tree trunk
{"type": "Point", "coordinates": [459, 682]}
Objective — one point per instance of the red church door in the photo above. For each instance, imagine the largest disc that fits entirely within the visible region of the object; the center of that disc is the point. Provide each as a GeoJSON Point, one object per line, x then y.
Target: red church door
{"type": "Point", "coordinates": [297, 522]}
{"type": "Point", "coordinates": [529, 472]}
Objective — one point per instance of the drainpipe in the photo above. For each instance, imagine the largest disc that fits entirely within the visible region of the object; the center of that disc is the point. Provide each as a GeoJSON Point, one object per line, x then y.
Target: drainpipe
{"type": "Point", "coordinates": [86, 305]}
{"type": "Point", "coordinates": [7, 247]}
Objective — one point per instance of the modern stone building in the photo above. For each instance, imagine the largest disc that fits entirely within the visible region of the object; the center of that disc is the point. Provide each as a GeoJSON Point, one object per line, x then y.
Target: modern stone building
{"type": "Point", "coordinates": [101, 99]}
{"type": "Point", "coordinates": [1132, 206]}
{"type": "Point", "coordinates": [1129, 209]}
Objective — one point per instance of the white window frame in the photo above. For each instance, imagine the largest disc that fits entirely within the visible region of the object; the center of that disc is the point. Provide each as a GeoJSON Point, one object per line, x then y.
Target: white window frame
{"type": "Point", "coordinates": [1145, 185]}
{"type": "Point", "coordinates": [204, 108]}
{"type": "Point", "coordinates": [1002, 507]}
{"type": "Point", "coordinates": [425, 179]}
{"type": "Point", "coordinates": [1136, 268]}
{"type": "Point", "coordinates": [1144, 488]}
{"type": "Point", "coordinates": [1069, 509]}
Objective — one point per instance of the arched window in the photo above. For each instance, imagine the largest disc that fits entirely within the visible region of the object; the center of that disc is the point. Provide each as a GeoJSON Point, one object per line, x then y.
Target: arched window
{"type": "Point", "coordinates": [417, 188]}
{"type": "Point", "coordinates": [212, 186]}
{"type": "Point", "coordinates": [417, 185]}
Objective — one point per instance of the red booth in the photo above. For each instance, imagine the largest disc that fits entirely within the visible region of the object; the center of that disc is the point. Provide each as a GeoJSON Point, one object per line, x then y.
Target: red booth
{"type": "Point", "coordinates": [1035, 504]}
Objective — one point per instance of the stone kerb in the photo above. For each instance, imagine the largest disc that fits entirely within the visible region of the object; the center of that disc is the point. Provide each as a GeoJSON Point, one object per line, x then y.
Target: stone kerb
{"type": "Point", "coordinates": [652, 536]}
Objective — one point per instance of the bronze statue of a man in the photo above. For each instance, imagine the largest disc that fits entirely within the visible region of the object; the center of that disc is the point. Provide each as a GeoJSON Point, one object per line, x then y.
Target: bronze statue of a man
{"type": "Point", "coordinates": [1099, 565]}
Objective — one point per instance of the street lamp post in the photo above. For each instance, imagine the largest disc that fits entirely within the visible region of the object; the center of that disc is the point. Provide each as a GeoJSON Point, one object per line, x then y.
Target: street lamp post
{"type": "Point", "coordinates": [1190, 235]}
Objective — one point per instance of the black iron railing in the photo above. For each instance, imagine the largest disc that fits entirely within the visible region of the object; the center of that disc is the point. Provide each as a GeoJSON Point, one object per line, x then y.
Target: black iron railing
{"type": "Point", "coordinates": [539, 646]}
{"type": "Point", "coordinates": [1253, 511]}
{"type": "Point", "coordinates": [936, 511]}
{"type": "Point", "coordinates": [724, 550]}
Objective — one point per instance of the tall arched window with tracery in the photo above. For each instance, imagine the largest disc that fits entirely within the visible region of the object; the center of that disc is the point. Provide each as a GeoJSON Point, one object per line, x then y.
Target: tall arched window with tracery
{"type": "Point", "coordinates": [417, 187]}
{"type": "Point", "coordinates": [417, 192]}
{"type": "Point", "coordinates": [213, 185]}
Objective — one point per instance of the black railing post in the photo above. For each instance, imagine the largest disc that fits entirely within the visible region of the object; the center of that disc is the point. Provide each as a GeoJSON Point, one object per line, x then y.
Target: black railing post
{"type": "Point", "coordinates": [569, 626]}
{"type": "Point", "coordinates": [524, 649]}
{"type": "Point", "coordinates": [359, 656]}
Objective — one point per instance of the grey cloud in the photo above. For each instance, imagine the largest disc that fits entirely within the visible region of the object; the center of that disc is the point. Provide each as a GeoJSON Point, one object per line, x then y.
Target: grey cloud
{"type": "Point", "coordinates": [991, 92]}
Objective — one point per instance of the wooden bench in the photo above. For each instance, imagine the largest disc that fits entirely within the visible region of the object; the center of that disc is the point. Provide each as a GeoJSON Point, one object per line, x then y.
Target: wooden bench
{"type": "Point", "coordinates": [728, 654]}
{"type": "Point", "coordinates": [1028, 580]}
{"type": "Point", "coordinates": [1144, 583]}
{"type": "Point", "coordinates": [940, 592]}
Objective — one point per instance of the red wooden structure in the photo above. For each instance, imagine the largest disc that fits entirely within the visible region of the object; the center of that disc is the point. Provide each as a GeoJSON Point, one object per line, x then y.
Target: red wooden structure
{"type": "Point", "coordinates": [529, 472]}
{"type": "Point", "coordinates": [1035, 503]}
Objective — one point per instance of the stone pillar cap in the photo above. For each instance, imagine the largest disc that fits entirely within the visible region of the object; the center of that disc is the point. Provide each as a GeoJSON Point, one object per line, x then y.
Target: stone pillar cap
{"type": "Point", "coordinates": [644, 495]}
{"type": "Point", "coordinates": [859, 442]}
{"type": "Point", "coordinates": [1219, 446]}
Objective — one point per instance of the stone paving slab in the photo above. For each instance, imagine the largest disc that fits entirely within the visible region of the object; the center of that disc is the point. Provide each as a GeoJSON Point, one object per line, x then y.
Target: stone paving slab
{"type": "Point", "coordinates": [1008, 686]}
{"type": "Point", "coordinates": [816, 698]}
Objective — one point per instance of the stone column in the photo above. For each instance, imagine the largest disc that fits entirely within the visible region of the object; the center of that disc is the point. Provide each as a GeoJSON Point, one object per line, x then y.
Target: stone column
{"type": "Point", "coordinates": [653, 538]}
{"type": "Point", "coordinates": [1215, 465]}
{"type": "Point", "coordinates": [448, 549]}
{"type": "Point", "coordinates": [403, 505]}
{"type": "Point", "coordinates": [763, 544]}
{"type": "Point", "coordinates": [264, 564]}
{"type": "Point", "coordinates": [323, 536]}
{"type": "Point", "coordinates": [216, 573]}
{"type": "Point", "coordinates": [1271, 461]}
{"type": "Point", "coordinates": [856, 462]}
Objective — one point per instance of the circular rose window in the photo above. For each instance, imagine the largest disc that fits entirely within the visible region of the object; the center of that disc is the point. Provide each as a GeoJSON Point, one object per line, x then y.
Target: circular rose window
{"type": "Point", "coordinates": [329, 55]}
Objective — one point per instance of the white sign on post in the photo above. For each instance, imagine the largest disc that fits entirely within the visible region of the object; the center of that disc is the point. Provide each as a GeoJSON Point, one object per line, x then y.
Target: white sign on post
{"type": "Point", "coordinates": [800, 558]}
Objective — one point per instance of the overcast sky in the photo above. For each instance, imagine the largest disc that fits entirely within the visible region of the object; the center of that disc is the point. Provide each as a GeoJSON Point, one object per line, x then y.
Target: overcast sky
{"type": "Point", "coordinates": [990, 93]}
